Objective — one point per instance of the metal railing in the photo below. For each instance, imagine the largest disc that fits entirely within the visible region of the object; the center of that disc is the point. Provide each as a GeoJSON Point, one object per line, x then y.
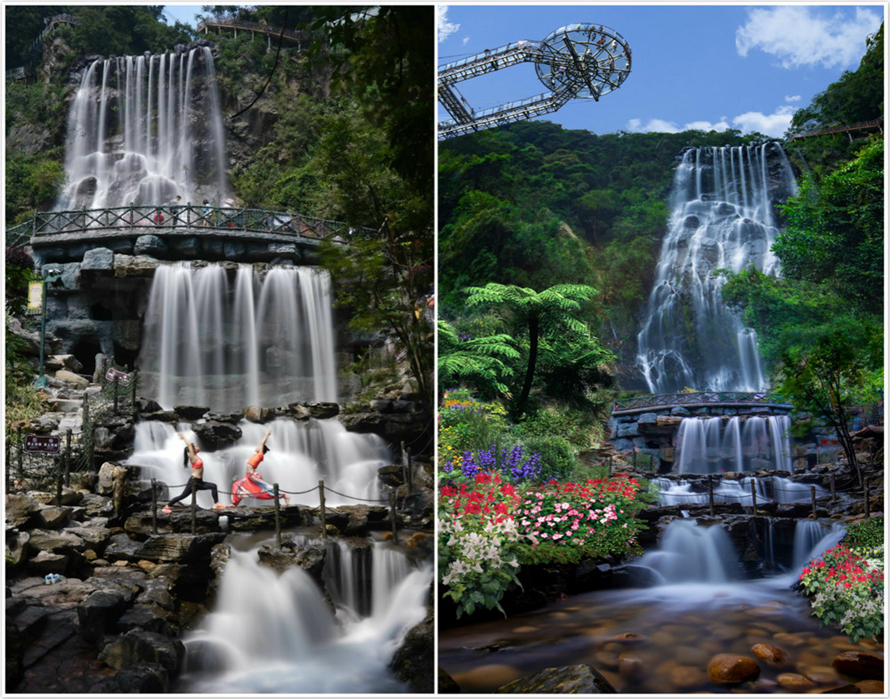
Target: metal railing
{"type": "Point", "coordinates": [842, 128]}
{"type": "Point", "coordinates": [295, 34]}
{"type": "Point", "coordinates": [171, 216]}
{"type": "Point", "coordinates": [699, 399]}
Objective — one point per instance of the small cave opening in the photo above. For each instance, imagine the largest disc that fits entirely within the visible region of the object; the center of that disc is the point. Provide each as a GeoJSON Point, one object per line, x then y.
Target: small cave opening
{"type": "Point", "coordinates": [85, 352]}
{"type": "Point", "coordinates": [124, 357]}
{"type": "Point", "coordinates": [99, 311]}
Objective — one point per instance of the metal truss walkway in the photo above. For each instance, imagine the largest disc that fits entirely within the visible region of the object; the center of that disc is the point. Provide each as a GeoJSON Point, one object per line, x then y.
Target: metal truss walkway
{"type": "Point", "coordinates": [583, 61]}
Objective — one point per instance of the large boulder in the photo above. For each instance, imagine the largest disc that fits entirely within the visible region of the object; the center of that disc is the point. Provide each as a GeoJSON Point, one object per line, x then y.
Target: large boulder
{"type": "Point", "coordinates": [860, 665]}
{"type": "Point", "coordinates": [136, 647]}
{"type": "Point", "coordinates": [20, 508]}
{"type": "Point", "coordinates": [413, 661]}
{"type": "Point", "coordinates": [55, 541]}
{"type": "Point", "coordinates": [16, 547]}
{"type": "Point", "coordinates": [98, 613]}
{"type": "Point", "coordinates": [310, 558]}
{"type": "Point", "coordinates": [572, 679]}
{"type": "Point", "coordinates": [180, 548]}
{"type": "Point", "coordinates": [216, 435]}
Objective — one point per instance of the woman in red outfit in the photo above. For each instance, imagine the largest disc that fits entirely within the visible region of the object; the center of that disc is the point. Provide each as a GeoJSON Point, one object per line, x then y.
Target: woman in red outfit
{"type": "Point", "coordinates": [196, 482]}
{"type": "Point", "coordinates": [253, 485]}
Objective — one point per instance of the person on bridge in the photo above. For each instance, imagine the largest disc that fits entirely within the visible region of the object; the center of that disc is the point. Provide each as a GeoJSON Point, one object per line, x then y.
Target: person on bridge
{"type": "Point", "coordinates": [205, 213]}
{"type": "Point", "coordinates": [196, 482]}
{"type": "Point", "coordinates": [253, 485]}
{"type": "Point", "coordinates": [175, 205]}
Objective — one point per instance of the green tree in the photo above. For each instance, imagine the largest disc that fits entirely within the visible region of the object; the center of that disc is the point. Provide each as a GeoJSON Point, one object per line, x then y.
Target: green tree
{"type": "Point", "coordinates": [481, 362]}
{"type": "Point", "coordinates": [551, 310]}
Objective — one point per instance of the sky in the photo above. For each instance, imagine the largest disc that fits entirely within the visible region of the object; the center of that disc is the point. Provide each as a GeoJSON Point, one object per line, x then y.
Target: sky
{"type": "Point", "coordinates": [694, 66]}
{"type": "Point", "coordinates": [182, 13]}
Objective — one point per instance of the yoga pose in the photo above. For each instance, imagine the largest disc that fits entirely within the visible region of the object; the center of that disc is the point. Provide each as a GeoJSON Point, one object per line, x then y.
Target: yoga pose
{"type": "Point", "coordinates": [196, 481]}
{"type": "Point", "coordinates": [253, 485]}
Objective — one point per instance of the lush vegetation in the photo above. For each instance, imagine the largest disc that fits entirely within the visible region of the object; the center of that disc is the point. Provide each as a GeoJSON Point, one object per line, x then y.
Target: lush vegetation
{"type": "Point", "coordinates": [820, 325]}
{"type": "Point", "coordinates": [847, 590]}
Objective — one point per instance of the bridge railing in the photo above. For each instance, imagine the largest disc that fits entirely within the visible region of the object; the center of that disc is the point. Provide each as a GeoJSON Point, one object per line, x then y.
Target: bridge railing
{"type": "Point", "coordinates": [296, 34]}
{"type": "Point", "coordinates": [171, 216]}
{"type": "Point", "coordinates": [698, 399]}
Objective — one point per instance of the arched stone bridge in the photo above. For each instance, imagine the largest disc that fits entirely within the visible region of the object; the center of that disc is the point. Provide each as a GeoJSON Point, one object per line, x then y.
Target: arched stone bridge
{"type": "Point", "coordinates": [704, 403]}
{"type": "Point", "coordinates": [181, 232]}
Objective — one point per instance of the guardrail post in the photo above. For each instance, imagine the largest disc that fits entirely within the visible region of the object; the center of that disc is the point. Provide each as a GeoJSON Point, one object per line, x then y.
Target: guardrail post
{"type": "Point", "coordinates": [194, 509]}
{"type": "Point", "coordinates": [753, 497]}
{"type": "Point", "coordinates": [867, 497]}
{"type": "Point", "coordinates": [392, 517]}
{"type": "Point", "coordinates": [813, 495]}
{"type": "Point", "coordinates": [59, 482]}
{"type": "Point", "coordinates": [711, 493]}
{"type": "Point", "coordinates": [154, 506]}
{"type": "Point", "coordinates": [114, 381]}
{"type": "Point", "coordinates": [277, 516]}
{"type": "Point", "coordinates": [833, 493]}
{"type": "Point", "coordinates": [188, 223]}
{"type": "Point", "coordinates": [133, 377]}
{"type": "Point", "coordinates": [322, 514]}
{"type": "Point", "coordinates": [21, 454]}
{"type": "Point", "coordinates": [66, 467]}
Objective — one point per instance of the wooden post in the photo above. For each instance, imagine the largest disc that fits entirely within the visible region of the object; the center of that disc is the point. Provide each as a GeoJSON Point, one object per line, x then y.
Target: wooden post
{"type": "Point", "coordinates": [833, 494]}
{"type": "Point", "coordinates": [7, 465]}
{"type": "Point", "coordinates": [324, 523]}
{"type": "Point", "coordinates": [753, 497]}
{"type": "Point", "coordinates": [410, 478]}
{"type": "Point", "coordinates": [21, 454]}
{"type": "Point", "coordinates": [867, 498]}
{"type": "Point", "coordinates": [66, 467]}
{"type": "Point", "coordinates": [277, 516]}
{"type": "Point", "coordinates": [133, 378]}
{"type": "Point", "coordinates": [711, 493]}
{"type": "Point", "coordinates": [392, 517]}
{"type": "Point", "coordinates": [813, 494]}
{"type": "Point", "coordinates": [114, 381]}
{"type": "Point", "coordinates": [59, 483]}
{"type": "Point", "coordinates": [154, 506]}
{"type": "Point", "coordinates": [194, 509]}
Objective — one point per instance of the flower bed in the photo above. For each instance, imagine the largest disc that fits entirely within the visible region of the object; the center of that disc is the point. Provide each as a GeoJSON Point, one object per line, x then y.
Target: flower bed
{"type": "Point", "coordinates": [847, 590]}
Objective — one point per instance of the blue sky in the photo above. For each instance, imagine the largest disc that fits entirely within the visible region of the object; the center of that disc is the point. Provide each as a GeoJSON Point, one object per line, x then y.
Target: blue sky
{"type": "Point", "coordinates": [182, 13]}
{"type": "Point", "coordinates": [694, 66]}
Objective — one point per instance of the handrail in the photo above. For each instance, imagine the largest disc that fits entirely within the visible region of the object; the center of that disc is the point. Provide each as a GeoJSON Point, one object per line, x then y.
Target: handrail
{"type": "Point", "coordinates": [698, 398]}
{"type": "Point", "coordinates": [860, 126]}
{"type": "Point", "coordinates": [170, 217]}
{"type": "Point", "coordinates": [252, 27]}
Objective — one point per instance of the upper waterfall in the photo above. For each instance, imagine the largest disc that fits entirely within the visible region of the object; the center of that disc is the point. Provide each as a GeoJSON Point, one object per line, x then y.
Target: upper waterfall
{"type": "Point", "coordinates": [144, 129]}
{"type": "Point", "coordinates": [722, 201]}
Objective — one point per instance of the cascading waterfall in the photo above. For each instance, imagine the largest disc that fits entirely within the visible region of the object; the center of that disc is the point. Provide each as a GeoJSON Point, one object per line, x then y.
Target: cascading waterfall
{"type": "Point", "coordinates": [301, 454]}
{"type": "Point", "coordinates": [690, 553]}
{"type": "Point", "coordinates": [275, 633]}
{"type": "Point", "coordinates": [210, 342]}
{"type": "Point", "coordinates": [716, 444]}
{"type": "Point", "coordinates": [143, 129]}
{"type": "Point", "coordinates": [722, 201]}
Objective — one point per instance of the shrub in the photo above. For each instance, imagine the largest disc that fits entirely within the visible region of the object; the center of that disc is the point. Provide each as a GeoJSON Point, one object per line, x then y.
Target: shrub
{"type": "Point", "coordinates": [866, 536]}
{"type": "Point", "coordinates": [514, 463]}
{"type": "Point", "coordinates": [847, 590]}
{"type": "Point", "coordinates": [572, 425]}
{"type": "Point", "coordinates": [465, 425]}
{"type": "Point", "coordinates": [557, 460]}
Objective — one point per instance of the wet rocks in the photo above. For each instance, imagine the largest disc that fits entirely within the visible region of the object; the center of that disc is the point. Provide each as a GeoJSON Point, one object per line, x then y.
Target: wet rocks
{"type": "Point", "coordinates": [572, 679]}
{"type": "Point", "coordinates": [728, 668]}
{"type": "Point", "coordinates": [793, 682]}
{"type": "Point", "coordinates": [215, 435]}
{"type": "Point", "coordinates": [858, 664]}
{"type": "Point", "coordinates": [771, 655]}
{"type": "Point", "coordinates": [413, 661]}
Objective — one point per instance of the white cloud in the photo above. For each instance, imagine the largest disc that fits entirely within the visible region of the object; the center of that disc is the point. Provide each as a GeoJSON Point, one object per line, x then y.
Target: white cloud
{"type": "Point", "coordinates": [774, 124]}
{"type": "Point", "coordinates": [444, 28]}
{"type": "Point", "coordinates": [805, 36]}
{"type": "Point", "coordinates": [792, 98]}
{"type": "Point", "coordinates": [466, 40]}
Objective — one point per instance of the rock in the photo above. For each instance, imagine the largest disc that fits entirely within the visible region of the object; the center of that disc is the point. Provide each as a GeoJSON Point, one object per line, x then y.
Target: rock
{"type": "Point", "coordinates": [64, 361]}
{"type": "Point", "coordinates": [79, 382]}
{"type": "Point", "coordinates": [136, 647]}
{"type": "Point", "coordinates": [686, 677]}
{"type": "Point", "coordinates": [630, 667]}
{"type": "Point", "coordinates": [858, 664]}
{"type": "Point", "coordinates": [98, 613]}
{"type": "Point", "coordinates": [180, 548]}
{"type": "Point", "coordinates": [147, 405]}
{"type": "Point", "coordinates": [572, 679]}
{"type": "Point", "coordinates": [256, 414]}
{"type": "Point", "coordinates": [151, 245]}
{"type": "Point", "coordinates": [17, 548]}
{"type": "Point", "coordinates": [323, 411]}
{"type": "Point", "coordinates": [728, 668]}
{"type": "Point", "coordinates": [393, 475]}
{"type": "Point", "coordinates": [97, 260]}
{"type": "Point", "coordinates": [190, 412]}
{"type": "Point", "coordinates": [53, 517]}
{"type": "Point", "coordinates": [793, 682]}
{"type": "Point", "coordinates": [446, 683]}
{"type": "Point", "coordinates": [870, 686]}
{"type": "Point", "coordinates": [309, 558]}
{"type": "Point", "coordinates": [627, 638]}
{"type": "Point", "coordinates": [45, 562]}
{"type": "Point", "coordinates": [413, 661]}
{"type": "Point", "coordinates": [134, 266]}
{"type": "Point", "coordinates": [55, 541]}
{"type": "Point", "coordinates": [143, 678]}
{"type": "Point", "coordinates": [216, 435]}
{"type": "Point", "coordinates": [771, 655]}
{"type": "Point", "coordinates": [108, 474]}
{"type": "Point", "coordinates": [123, 548]}
{"type": "Point", "coordinates": [20, 508]}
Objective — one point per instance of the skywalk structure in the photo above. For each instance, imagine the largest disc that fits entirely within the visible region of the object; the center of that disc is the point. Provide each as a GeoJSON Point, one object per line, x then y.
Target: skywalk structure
{"type": "Point", "coordinates": [583, 61]}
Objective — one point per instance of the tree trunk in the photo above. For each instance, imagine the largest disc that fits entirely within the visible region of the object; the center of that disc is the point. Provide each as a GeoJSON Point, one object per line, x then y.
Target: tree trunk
{"type": "Point", "coordinates": [532, 360]}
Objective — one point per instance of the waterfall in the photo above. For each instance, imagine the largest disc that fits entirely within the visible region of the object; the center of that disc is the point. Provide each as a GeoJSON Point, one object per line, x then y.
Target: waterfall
{"type": "Point", "coordinates": [715, 444]}
{"type": "Point", "coordinates": [263, 342]}
{"type": "Point", "coordinates": [361, 579]}
{"type": "Point", "coordinates": [300, 454]}
{"type": "Point", "coordinates": [275, 633]}
{"type": "Point", "coordinates": [690, 553]}
{"type": "Point", "coordinates": [143, 129]}
{"type": "Point", "coordinates": [722, 201]}
{"type": "Point", "coordinates": [812, 538]}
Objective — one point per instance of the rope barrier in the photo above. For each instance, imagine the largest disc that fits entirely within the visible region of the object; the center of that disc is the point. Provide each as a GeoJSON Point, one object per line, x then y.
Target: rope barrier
{"type": "Point", "coordinates": [298, 492]}
{"type": "Point", "coordinates": [351, 497]}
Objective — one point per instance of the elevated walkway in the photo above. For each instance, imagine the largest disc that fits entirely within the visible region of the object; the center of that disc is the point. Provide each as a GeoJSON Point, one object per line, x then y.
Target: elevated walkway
{"type": "Point", "coordinates": [703, 399]}
{"type": "Point", "coordinates": [292, 36]}
{"type": "Point", "coordinates": [849, 129]}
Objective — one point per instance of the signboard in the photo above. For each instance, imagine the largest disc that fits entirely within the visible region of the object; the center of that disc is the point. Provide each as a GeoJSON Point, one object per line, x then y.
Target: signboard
{"type": "Point", "coordinates": [38, 444]}
{"type": "Point", "coordinates": [117, 375]}
{"type": "Point", "coordinates": [35, 297]}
